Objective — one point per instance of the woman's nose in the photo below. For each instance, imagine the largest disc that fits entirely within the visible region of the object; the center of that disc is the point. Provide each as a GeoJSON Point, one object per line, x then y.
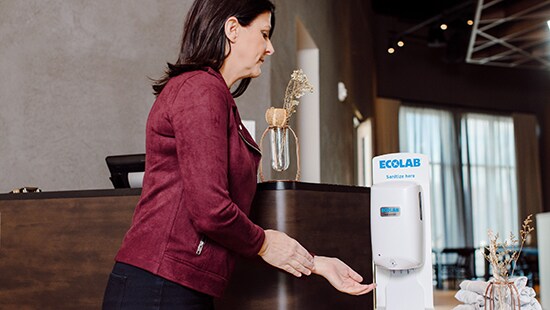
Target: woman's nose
{"type": "Point", "coordinates": [269, 48]}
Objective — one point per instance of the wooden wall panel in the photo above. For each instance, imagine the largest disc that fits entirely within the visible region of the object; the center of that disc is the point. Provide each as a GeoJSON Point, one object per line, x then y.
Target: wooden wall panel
{"type": "Point", "coordinates": [58, 253]}
{"type": "Point", "coordinates": [327, 220]}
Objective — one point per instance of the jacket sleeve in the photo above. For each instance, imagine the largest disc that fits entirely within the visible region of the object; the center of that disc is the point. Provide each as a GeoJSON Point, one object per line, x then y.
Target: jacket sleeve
{"type": "Point", "coordinates": [200, 118]}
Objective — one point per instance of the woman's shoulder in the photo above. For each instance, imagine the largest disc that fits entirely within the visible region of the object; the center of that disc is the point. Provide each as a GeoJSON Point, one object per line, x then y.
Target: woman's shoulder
{"type": "Point", "coordinates": [207, 77]}
{"type": "Point", "coordinates": [197, 86]}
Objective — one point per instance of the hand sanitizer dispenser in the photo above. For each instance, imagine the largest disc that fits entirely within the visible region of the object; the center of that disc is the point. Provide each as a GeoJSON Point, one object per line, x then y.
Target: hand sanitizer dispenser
{"type": "Point", "coordinates": [396, 222]}
{"type": "Point", "coordinates": [401, 232]}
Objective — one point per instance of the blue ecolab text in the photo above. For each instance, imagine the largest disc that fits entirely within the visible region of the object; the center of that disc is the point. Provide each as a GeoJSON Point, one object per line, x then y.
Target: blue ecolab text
{"type": "Point", "coordinates": [400, 163]}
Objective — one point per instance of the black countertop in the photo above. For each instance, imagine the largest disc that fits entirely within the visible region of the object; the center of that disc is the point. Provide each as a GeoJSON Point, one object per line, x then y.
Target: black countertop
{"type": "Point", "coordinates": [270, 185]}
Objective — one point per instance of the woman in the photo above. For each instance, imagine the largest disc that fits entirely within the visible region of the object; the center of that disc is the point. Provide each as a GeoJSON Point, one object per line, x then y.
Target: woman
{"type": "Point", "coordinates": [200, 178]}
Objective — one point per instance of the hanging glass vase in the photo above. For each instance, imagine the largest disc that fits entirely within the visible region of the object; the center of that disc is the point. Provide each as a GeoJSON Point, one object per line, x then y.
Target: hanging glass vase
{"type": "Point", "coordinates": [280, 155]}
{"type": "Point", "coordinates": [502, 296]}
{"type": "Point", "coordinates": [280, 143]}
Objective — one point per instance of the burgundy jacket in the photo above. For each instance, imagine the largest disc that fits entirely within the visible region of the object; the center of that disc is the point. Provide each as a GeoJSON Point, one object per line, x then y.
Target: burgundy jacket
{"type": "Point", "coordinates": [200, 179]}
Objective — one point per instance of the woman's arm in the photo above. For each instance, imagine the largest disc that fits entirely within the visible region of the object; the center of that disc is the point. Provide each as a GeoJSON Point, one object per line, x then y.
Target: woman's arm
{"type": "Point", "coordinates": [200, 116]}
{"type": "Point", "coordinates": [281, 251]}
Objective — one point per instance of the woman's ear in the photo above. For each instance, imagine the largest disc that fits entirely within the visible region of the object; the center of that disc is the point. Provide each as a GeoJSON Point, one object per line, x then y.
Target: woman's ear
{"type": "Point", "coordinates": [232, 28]}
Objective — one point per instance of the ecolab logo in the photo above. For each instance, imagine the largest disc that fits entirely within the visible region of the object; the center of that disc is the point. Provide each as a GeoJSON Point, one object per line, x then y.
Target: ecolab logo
{"type": "Point", "coordinates": [400, 163]}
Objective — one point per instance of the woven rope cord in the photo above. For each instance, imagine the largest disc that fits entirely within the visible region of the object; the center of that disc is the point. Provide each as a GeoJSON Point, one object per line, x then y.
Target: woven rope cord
{"type": "Point", "coordinates": [490, 295]}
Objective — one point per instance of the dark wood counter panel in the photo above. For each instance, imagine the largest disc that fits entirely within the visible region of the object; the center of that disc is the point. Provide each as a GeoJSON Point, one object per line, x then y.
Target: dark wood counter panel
{"type": "Point", "coordinates": [329, 220]}
{"type": "Point", "coordinates": [56, 253]}
{"type": "Point", "coordinates": [57, 248]}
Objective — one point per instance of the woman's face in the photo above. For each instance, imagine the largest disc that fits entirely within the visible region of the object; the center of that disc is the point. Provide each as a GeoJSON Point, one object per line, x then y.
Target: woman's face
{"type": "Point", "coordinates": [250, 47]}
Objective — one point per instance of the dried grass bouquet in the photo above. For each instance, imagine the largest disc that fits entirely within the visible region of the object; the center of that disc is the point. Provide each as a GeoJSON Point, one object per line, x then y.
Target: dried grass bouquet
{"type": "Point", "coordinates": [503, 255]}
{"type": "Point", "coordinates": [278, 120]}
{"type": "Point", "coordinates": [296, 88]}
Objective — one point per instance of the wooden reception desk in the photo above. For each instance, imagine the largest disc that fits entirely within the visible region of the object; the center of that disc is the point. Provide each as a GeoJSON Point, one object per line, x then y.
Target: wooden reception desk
{"type": "Point", "coordinates": [57, 248]}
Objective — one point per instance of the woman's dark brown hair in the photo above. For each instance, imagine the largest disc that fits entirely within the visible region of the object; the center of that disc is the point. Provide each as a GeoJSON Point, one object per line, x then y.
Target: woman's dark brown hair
{"type": "Point", "coordinates": [204, 42]}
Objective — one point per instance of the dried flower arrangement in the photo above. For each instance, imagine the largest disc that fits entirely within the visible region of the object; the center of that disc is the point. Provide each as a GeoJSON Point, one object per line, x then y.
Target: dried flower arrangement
{"type": "Point", "coordinates": [501, 254]}
{"type": "Point", "coordinates": [502, 293]}
{"type": "Point", "coordinates": [296, 88]}
{"type": "Point", "coordinates": [278, 120]}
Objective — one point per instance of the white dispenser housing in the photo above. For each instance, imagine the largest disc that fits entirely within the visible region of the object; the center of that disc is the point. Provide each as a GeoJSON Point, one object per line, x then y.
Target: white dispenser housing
{"type": "Point", "coordinates": [401, 232]}
{"type": "Point", "coordinates": [396, 222]}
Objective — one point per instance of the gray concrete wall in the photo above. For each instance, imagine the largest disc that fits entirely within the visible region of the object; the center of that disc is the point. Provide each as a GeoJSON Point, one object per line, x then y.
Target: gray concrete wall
{"type": "Point", "coordinates": [74, 84]}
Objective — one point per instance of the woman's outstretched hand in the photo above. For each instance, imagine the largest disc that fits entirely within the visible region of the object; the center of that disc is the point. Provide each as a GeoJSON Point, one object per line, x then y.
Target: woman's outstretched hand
{"type": "Point", "coordinates": [341, 276]}
{"type": "Point", "coordinates": [281, 251]}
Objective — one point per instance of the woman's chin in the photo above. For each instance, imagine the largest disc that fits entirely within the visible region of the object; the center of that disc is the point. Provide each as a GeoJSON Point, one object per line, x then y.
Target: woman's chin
{"type": "Point", "coordinates": [256, 73]}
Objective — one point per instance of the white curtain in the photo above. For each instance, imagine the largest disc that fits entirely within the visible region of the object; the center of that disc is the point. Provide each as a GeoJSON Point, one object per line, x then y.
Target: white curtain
{"type": "Point", "coordinates": [489, 161]}
{"type": "Point", "coordinates": [430, 132]}
{"type": "Point", "coordinates": [473, 172]}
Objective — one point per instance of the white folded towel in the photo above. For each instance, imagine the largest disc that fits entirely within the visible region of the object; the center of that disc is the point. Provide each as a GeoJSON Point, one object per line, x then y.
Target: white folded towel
{"type": "Point", "coordinates": [526, 295]}
{"type": "Point", "coordinates": [472, 294]}
{"type": "Point", "coordinates": [520, 282]}
{"type": "Point", "coordinates": [534, 306]}
{"type": "Point", "coordinates": [469, 297]}
{"type": "Point", "coordinates": [478, 287]}
{"type": "Point", "coordinates": [466, 307]}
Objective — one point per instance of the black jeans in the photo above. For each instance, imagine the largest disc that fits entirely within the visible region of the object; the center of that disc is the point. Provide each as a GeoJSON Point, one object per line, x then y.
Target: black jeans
{"type": "Point", "coordinates": [130, 287]}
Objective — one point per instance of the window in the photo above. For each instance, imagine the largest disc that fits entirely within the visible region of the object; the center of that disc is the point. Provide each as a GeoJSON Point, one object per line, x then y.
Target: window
{"type": "Point", "coordinates": [428, 131]}
{"type": "Point", "coordinates": [489, 169]}
{"type": "Point", "coordinates": [473, 171]}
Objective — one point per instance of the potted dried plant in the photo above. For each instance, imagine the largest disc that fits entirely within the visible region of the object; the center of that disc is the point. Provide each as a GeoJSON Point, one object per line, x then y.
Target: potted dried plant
{"type": "Point", "coordinates": [501, 293]}
{"type": "Point", "coordinates": [278, 120]}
